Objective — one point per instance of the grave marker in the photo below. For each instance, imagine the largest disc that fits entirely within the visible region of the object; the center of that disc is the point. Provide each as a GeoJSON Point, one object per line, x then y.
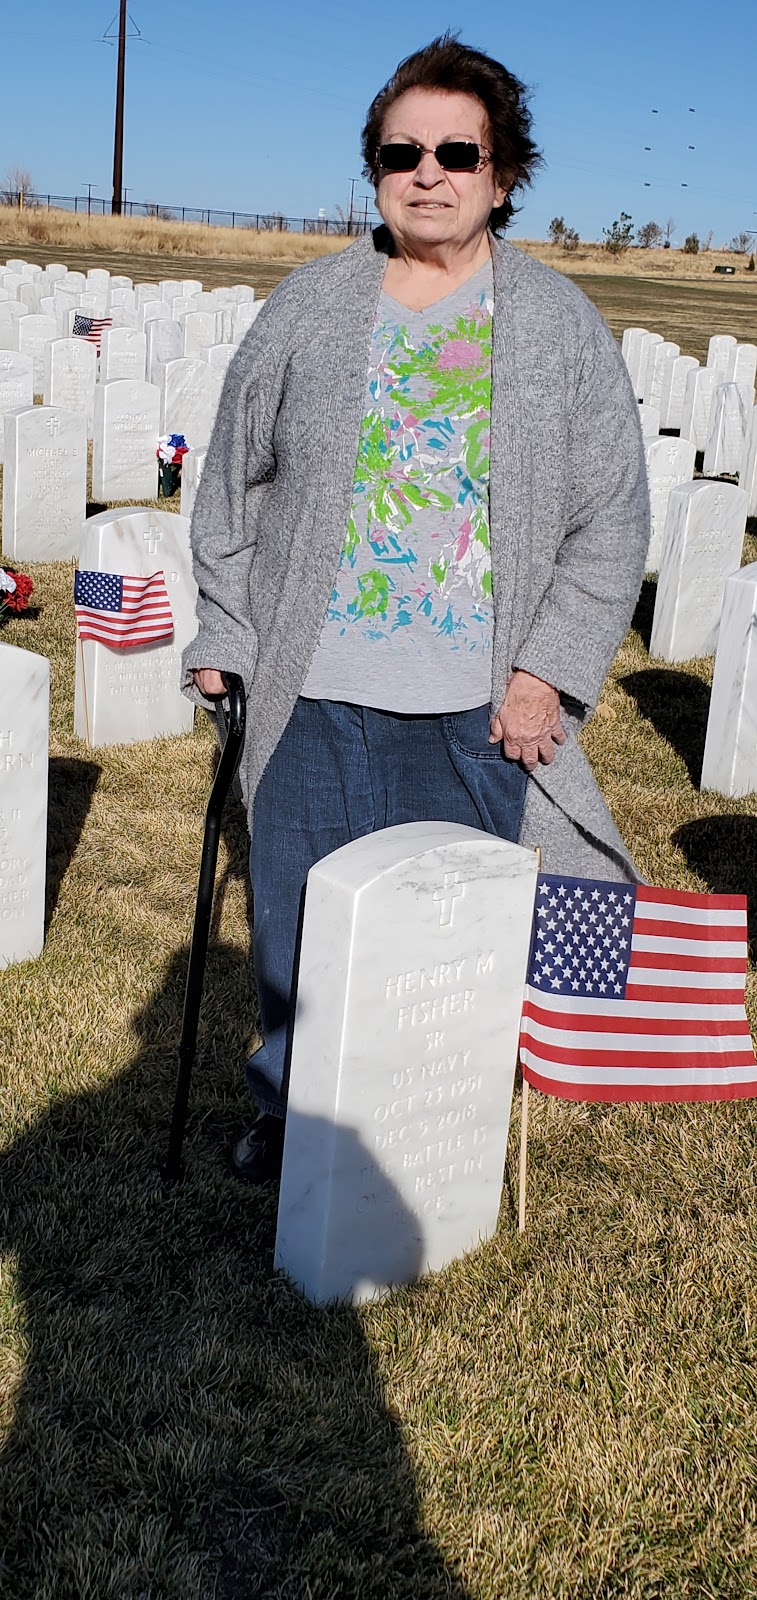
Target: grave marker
{"type": "Point", "coordinates": [126, 432]}
{"type": "Point", "coordinates": [44, 483]}
{"type": "Point", "coordinates": [33, 333]}
{"type": "Point", "coordinates": [191, 472]}
{"type": "Point", "coordinates": [16, 385]}
{"type": "Point", "coordinates": [669, 462]}
{"type": "Point", "coordinates": [748, 464]}
{"type": "Point", "coordinates": [728, 423]}
{"type": "Point", "coordinates": [134, 694]}
{"type": "Point", "coordinates": [730, 750]}
{"type": "Point", "coordinates": [720, 353]}
{"type": "Point", "coordinates": [123, 354]}
{"type": "Point", "coordinates": [674, 390]}
{"type": "Point", "coordinates": [664, 356]}
{"type": "Point", "coordinates": [24, 734]}
{"type": "Point", "coordinates": [70, 377]}
{"type": "Point", "coordinates": [697, 406]}
{"type": "Point", "coordinates": [704, 535]}
{"type": "Point", "coordinates": [414, 951]}
{"type": "Point", "coordinates": [188, 394]}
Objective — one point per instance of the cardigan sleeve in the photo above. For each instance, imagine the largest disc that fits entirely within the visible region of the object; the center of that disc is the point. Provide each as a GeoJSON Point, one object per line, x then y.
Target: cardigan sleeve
{"type": "Point", "coordinates": [588, 606]}
{"type": "Point", "coordinates": [239, 466]}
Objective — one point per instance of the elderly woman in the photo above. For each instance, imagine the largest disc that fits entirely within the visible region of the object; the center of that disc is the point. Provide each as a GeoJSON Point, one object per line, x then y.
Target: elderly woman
{"type": "Point", "coordinates": [420, 530]}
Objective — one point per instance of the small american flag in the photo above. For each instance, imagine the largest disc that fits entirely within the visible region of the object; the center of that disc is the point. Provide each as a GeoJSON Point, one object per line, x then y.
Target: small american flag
{"type": "Point", "coordinates": [122, 611]}
{"type": "Point", "coordinates": [90, 328]}
{"type": "Point", "coordinates": [636, 994]}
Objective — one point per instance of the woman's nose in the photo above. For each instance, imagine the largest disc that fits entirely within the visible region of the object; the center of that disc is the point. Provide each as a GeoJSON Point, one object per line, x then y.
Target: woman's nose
{"type": "Point", "coordinates": [428, 172]}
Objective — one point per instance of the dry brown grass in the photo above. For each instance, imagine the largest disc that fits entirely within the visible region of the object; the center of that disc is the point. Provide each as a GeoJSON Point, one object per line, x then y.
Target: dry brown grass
{"type": "Point", "coordinates": [148, 236]}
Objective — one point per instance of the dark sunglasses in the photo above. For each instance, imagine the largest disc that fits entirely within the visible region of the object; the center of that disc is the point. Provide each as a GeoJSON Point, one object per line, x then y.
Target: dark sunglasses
{"type": "Point", "coordinates": [457, 155]}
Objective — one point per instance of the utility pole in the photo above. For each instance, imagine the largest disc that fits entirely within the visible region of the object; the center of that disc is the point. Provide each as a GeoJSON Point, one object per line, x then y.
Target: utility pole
{"type": "Point", "coordinates": [118, 143]}
{"type": "Point", "coordinates": [353, 181]}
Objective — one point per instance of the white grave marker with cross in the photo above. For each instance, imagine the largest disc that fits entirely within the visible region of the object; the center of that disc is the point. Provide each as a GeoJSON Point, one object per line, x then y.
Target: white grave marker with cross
{"type": "Point", "coordinates": [414, 950]}
{"type": "Point", "coordinates": [124, 696]}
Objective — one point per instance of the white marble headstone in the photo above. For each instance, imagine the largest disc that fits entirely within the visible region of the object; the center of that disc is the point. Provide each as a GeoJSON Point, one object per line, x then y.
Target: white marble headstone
{"type": "Point", "coordinates": [33, 333]}
{"type": "Point", "coordinates": [164, 343]}
{"type": "Point", "coordinates": [647, 347]}
{"type": "Point", "coordinates": [674, 389]}
{"type": "Point", "coordinates": [70, 377]}
{"type": "Point", "coordinates": [126, 433]}
{"type": "Point", "coordinates": [701, 383]}
{"type": "Point", "coordinates": [44, 483]}
{"type": "Point", "coordinates": [122, 354]}
{"type": "Point", "coordinates": [24, 731]}
{"type": "Point", "coordinates": [133, 694]}
{"type": "Point", "coordinates": [730, 751]}
{"type": "Point", "coordinates": [747, 466]}
{"type": "Point", "coordinates": [218, 355]}
{"type": "Point", "coordinates": [704, 535]}
{"type": "Point", "coordinates": [16, 385]}
{"type": "Point", "coordinates": [664, 356]}
{"type": "Point", "coordinates": [728, 423]}
{"type": "Point", "coordinates": [742, 369]}
{"type": "Point", "coordinates": [720, 354]}
{"type": "Point", "coordinates": [244, 316]}
{"type": "Point", "coordinates": [649, 417]}
{"type": "Point", "coordinates": [198, 330]}
{"type": "Point", "coordinates": [188, 396]}
{"type": "Point", "coordinates": [669, 462]}
{"type": "Point", "coordinates": [414, 951]}
{"type": "Point", "coordinates": [191, 472]}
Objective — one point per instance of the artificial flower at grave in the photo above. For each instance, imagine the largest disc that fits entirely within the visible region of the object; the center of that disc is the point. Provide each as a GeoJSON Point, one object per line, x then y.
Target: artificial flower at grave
{"type": "Point", "coordinates": [15, 591]}
{"type": "Point", "coordinates": [172, 448]}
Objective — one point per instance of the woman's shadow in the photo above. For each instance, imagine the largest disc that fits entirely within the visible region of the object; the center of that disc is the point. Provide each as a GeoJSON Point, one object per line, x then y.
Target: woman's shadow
{"type": "Point", "coordinates": [186, 1425]}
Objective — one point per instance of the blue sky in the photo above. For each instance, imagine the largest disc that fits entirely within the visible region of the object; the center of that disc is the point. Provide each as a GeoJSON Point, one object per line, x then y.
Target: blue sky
{"type": "Point", "coordinates": [259, 108]}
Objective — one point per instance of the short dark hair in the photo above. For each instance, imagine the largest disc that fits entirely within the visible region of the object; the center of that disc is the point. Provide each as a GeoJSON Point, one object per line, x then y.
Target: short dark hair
{"type": "Point", "coordinates": [456, 68]}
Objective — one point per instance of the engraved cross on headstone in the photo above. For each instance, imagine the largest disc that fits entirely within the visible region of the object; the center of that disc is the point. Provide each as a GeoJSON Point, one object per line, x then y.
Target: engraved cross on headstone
{"type": "Point", "coordinates": [52, 425]}
{"type": "Point", "coordinates": [445, 898]}
{"type": "Point", "coordinates": [153, 536]}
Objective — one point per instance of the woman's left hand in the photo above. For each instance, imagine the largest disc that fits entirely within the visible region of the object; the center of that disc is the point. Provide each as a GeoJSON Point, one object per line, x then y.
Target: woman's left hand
{"type": "Point", "coordinates": [528, 721]}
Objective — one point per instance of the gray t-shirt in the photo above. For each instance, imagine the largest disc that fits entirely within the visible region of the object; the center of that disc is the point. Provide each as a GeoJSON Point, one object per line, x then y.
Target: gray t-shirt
{"type": "Point", "coordinates": [409, 624]}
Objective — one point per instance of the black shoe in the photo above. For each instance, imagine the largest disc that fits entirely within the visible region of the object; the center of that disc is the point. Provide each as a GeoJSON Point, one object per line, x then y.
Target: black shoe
{"type": "Point", "coordinates": [257, 1158]}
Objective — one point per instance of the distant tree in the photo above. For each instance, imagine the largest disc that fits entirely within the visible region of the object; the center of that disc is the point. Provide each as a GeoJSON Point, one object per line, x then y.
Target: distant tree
{"type": "Point", "coordinates": [691, 245]}
{"type": "Point", "coordinates": [649, 236]}
{"type": "Point", "coordinates": [750, 264]}
{"type": "Point", "coordinates": [740, 242]}
{"type": "Point", "coordinates": [570, 239]}
{"type": "Point", "coordinates": [17, 180]}
{"type": "Point", "coordinates": [556, 230]}
{"type": "Point", "coordinates": [619, 236]}
{"type": "Point", "coordinates": [668, 229]}
{"type": "Point", "coordinates": [160, 213]}
{"type": "Point", "coordinates": [708, 239]}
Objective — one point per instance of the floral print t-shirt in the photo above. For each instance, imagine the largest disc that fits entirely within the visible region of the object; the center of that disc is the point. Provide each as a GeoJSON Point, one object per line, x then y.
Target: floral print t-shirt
{"type": "Point", "coordinates": [409, 623]}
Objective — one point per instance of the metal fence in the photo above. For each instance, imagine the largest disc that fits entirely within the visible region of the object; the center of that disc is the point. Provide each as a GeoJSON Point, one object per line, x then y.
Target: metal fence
{"type": "Point", "coordinates": [264, 222]}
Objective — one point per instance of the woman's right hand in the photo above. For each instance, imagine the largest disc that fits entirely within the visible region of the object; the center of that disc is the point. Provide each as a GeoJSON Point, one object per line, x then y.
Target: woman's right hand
{"type": "Point", "coordinates": [209, 682]}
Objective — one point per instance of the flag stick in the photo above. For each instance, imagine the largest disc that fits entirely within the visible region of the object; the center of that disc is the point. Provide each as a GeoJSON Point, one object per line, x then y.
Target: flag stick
{"type": "Point", "coordinates": [523, 1158]}
{"type": "Point", "coordinates": [85, 707]}
{"type": "Point", "coordinates": [523, 1172]}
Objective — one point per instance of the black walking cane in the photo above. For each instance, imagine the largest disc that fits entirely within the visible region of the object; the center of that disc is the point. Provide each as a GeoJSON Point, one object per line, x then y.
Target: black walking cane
{"type": "Point", "coordinates": [225, 774]}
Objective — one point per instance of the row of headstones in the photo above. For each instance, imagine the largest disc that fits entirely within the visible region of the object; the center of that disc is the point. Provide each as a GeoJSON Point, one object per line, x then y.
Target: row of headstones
{"type": "Point", "coordinates": [707, 602]}
{"type": "Point", "coordinates": [396, 1140]}
{"type": "Point", "coordinates": [711, 408]}
{"type": "Point", "coordinates": [45, 471]}
{"type": "Point", "coordinates": [121, 697]}
{"type": "Point", "coordinates": [53, 296]}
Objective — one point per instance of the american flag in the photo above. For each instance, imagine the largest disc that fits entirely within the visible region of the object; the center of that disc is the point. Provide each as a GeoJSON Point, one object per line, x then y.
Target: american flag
{"type": "Point", "coordinates": [635, 993]}
{"type": "Point", "coordinates": [90, 328]}
{"type": "Point", "coordinates": [122, 611]}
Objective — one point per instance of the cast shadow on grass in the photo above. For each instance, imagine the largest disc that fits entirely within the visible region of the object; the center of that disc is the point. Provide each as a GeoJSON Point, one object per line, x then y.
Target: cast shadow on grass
{"type": "Point", "coordinates": [187, 1425]}
{"type": "Point", "coordinates": [723, 850]}
{"type": "Point", "coordinates": [71, 786]}
{"type": "Point", "coordinates": [642, 617]}
{"type": "Point", "coordinates": [676, 703]}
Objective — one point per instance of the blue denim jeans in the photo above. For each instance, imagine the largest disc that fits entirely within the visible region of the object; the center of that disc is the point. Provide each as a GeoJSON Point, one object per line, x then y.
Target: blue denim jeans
{"type": "Point", "coordinates": [338, 772]}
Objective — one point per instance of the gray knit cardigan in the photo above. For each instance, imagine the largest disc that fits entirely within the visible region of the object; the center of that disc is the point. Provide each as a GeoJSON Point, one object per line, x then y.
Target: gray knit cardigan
{"type": "Point", "coordinates": [569, 512]}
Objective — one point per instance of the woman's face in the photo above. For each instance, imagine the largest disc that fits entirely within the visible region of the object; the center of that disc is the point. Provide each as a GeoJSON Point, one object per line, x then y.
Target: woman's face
{"type": "Point", "coordinates": [430, 207]}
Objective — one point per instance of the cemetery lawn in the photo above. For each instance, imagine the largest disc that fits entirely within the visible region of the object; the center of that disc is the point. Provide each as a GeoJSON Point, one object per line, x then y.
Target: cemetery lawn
{"type": "Point", "coordinates": [568, 1415]}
